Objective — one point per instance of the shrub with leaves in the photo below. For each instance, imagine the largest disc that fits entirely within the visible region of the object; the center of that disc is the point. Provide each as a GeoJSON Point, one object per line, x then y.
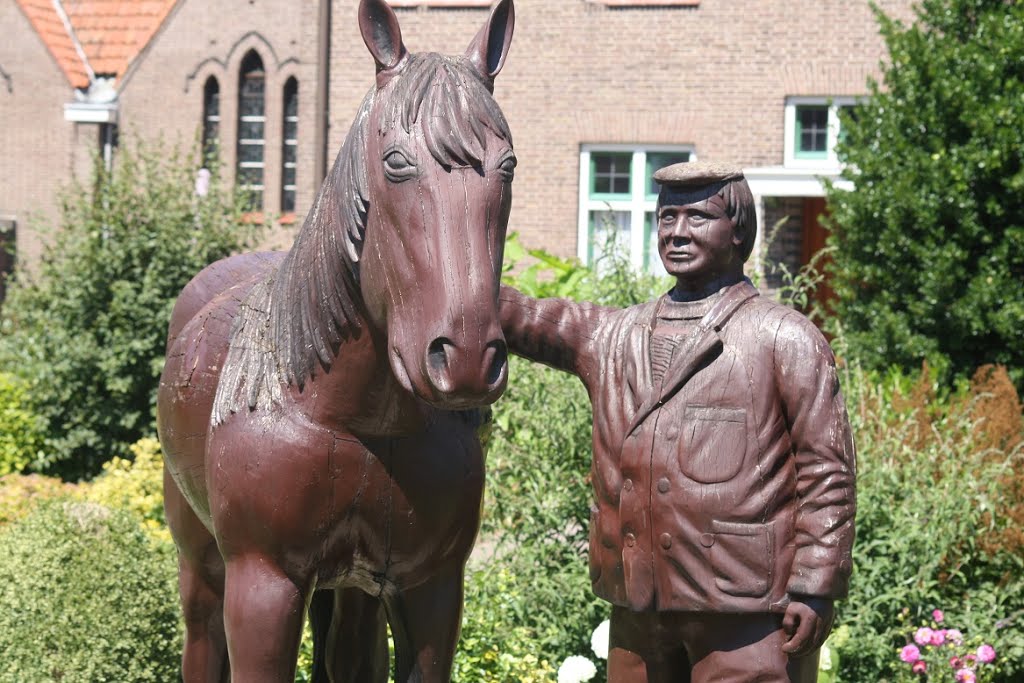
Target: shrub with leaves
{"type": "Point", "coordinates": [86, 328]}
{"type": "Point", "coordinates": [938, 499]}
{"type": "Point", "coordinates": [929, 246]}
{"type": "Point", "coordinates": [134, 485]}
{"type": "Point", "coordinates": [21, 429]}
{"type": "Point", "coordinates": [86, 596]}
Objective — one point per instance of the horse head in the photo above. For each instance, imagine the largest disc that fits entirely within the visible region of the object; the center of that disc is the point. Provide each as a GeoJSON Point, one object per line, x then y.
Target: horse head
{"type": "Point", "coordinates": [438, 171]}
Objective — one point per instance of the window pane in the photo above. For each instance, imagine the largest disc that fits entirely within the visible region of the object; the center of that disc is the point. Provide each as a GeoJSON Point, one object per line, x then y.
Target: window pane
{"type": "Point", "coordinates": [250, 130]}
{"type": "Point", "coordinates": [610, 172]}
{"type": "Point", "coordinates": [288, 153]}
{"type": "Point", "coordinates": [290, 129]}
{"type": "Point", "coordinates": [812, 129]}
{"type": "Point", "coordinates": [250, 153]}
{"type": "Point", "coordinates": [609, 235]}
{"type": "Point", "coordinates": [288, 175]}
{"type": "Point", "coordinates": [652, 260]}
{"type": "Point", "coordinates": [659, 160]}
{"type": "Point", "coordinates": [288, 201]}
{"type": "Point", "coordinates": [250, 176]}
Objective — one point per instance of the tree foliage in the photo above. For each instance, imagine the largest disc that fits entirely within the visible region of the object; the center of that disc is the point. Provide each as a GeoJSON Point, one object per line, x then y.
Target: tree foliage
{"type": "Point", "coordinates": [929, 259]}
{"type": "Point", "coordinates": [85, 329]}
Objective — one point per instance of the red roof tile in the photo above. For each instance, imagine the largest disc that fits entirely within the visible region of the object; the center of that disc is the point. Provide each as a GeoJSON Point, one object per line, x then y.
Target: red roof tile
{"type": "Point", "coordinates": [47, 23]}
{"type": "Point", "coordinates": [111, 32]}
{"type": "Point", "coordinates": [114, 32]}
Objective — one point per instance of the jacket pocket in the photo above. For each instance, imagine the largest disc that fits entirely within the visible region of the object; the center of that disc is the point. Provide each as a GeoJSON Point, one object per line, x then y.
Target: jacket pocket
{"type": "Point", "coordinates": [713, 443]}
{"type": "Point", "coordinates": [742, 557]}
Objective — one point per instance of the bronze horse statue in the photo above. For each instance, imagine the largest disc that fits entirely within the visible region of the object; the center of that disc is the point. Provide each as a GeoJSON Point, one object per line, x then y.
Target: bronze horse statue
{"type": "Point", "coordinates": [319, 408]}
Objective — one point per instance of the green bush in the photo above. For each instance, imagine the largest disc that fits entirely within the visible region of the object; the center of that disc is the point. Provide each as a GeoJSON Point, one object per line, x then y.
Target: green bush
{"type": "Point", "coordinates": [86, 596]}
{"type": "Point", "coordinates": [938, 513]}
{"type": "Point", "coordinates": [135, 486]}
{"type": "Point", "coordinates": [929, 246]}
{"type": "Point", "coordinates": [86, 329]}
{"type": "Point", "coordinates": [21, 430]}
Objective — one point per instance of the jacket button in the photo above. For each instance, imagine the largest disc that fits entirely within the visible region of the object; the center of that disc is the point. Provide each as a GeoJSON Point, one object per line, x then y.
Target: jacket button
{"type": "Point", "coordinates": [663, 485]}
{"type": "Point", "coordinates": [627, 485]}
{"type": "Point", "coordinates": [666, 541]}
{"type": "Point", "coordinates": [707, 540]}
{"type": "Point", "coordinates": [630, 540]}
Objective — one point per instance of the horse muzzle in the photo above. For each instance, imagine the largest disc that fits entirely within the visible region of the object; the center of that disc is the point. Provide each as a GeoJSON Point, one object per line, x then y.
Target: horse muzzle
{"type": "Point", "coordinates": [462, 376]}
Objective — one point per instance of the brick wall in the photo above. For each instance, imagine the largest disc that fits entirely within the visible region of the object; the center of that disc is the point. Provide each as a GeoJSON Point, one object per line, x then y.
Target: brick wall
{"type": "Point", "coordinates": [714, 76]}
{"type": "Point", "coordinates": [37, 146]}
{"type": "Point", "coordinates": [162, 95]}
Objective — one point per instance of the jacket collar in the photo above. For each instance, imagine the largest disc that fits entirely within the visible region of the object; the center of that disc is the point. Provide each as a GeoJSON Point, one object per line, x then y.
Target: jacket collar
{"type": "Point", "coordinates": [704, 341]}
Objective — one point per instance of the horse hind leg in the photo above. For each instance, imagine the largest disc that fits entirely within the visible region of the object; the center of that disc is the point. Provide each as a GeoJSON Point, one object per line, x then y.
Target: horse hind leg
{"type": "Point", "coordinates": [201, 587]}
{"type": "Point", "coordinates": [425, 623]}
{"type": "Point", "coordinates": [349, 637]}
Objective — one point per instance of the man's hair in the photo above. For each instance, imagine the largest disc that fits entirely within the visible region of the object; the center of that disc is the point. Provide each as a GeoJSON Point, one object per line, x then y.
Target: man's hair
{"type": "Point", "coordinates": [739, 206]}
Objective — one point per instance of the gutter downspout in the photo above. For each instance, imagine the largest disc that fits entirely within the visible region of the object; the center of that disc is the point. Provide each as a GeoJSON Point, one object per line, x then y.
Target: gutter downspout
{"type": "Point", "coordinates": [322, 105]}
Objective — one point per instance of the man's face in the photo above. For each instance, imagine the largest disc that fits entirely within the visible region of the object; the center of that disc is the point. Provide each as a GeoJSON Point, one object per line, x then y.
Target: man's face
{"type": "Point", "coordinates": [696, 239]}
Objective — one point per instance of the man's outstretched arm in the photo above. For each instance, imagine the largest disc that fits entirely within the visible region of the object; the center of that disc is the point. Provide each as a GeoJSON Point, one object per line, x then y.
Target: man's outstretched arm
{"type": "Point", "coordinates": [556, 332]}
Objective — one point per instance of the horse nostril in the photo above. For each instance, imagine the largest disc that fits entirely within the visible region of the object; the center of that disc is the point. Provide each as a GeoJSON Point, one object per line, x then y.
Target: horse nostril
{"type": "Point", "coordinates": [437, 363]}
{"type": "Point", "coordinates": [498, 353]}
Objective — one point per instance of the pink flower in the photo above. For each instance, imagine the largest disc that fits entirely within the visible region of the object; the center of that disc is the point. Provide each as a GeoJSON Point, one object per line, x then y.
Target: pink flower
{"type": "Point", "coordinates": [970, 659]}
{"type": "Point", "coordinates": [919, 667]}
{"type": "Point", "coordinates": [938, 637]}
{"type": "Point", "coordinates": [923, 636]}
{"type": "Point", "coordinates": [956, 662]}
{"type": "Point", "coordinates": [954, 636]}
{"type": "Point", "coordinates": [938, 616]}
{"type": "Point", "coordinates": [965, 676]}
{"type": "Point", "coordinates": [910, 654]}
{"type": "Point", "coordinates": [986, 654]}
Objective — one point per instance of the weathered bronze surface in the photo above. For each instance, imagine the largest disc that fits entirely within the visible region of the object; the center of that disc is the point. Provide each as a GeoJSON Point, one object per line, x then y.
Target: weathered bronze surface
{"type": "Point", "coordinates": [318, 408]}
{"type": "Point", "coordinates": [723, 466]}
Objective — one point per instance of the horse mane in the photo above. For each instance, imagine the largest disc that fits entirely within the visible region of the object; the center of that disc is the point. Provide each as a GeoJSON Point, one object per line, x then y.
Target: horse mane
{"type": "Point", "coordinates": [300, 314]}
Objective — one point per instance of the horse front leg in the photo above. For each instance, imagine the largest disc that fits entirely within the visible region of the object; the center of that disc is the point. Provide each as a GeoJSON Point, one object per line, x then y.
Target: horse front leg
{"type": "Point", "coordinates": [425, 622]}
{"type": "Point", "coordinates": [263, 613]}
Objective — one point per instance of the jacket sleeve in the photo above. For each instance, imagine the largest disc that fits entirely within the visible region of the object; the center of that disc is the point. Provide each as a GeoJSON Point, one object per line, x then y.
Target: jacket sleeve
{"type": "Point", "coordinates": [556, 332]}
{"type": "Point", "coordinates": [805, 372]}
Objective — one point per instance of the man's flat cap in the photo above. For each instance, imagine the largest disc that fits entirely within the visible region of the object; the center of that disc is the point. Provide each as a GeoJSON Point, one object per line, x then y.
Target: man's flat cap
{"type": "Point", "coordinates": [696, 174]}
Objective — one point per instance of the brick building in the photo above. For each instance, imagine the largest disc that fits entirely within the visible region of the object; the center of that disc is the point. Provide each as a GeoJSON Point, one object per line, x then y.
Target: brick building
{"type": "Point", "coordinates": [598, 94]}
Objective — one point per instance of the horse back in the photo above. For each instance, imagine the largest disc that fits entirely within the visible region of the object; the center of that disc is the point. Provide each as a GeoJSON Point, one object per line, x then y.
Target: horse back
{"type": "Point", "coordinates": [197, 342]}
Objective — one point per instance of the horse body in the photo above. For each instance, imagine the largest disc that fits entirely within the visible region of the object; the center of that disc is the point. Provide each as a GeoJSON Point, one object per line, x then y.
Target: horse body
{"type": "Point", "coordinates": [318, 407]}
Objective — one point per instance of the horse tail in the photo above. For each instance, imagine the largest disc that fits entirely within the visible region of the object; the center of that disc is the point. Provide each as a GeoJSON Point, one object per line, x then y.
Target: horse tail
{"type": "Point", "coordinates": [321, 610]}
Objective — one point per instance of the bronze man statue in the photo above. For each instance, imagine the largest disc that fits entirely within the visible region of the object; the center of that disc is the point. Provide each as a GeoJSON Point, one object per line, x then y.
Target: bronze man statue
{"type": "Point", "coordinates": [723, 465]}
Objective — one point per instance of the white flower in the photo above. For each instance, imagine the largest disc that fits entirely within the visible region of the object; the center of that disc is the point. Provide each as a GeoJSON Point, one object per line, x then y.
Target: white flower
{"type": "Point", "coordinates": [576, 669]}
{"type": "Point", "coordinates": [599, 641]}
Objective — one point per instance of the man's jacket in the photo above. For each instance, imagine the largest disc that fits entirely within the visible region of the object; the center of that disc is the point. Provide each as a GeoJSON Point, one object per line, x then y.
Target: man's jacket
{"type": "Point", "coordinates": [727, 487]}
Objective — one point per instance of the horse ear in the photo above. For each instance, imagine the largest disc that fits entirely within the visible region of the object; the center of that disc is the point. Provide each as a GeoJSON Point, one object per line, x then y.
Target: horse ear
{"type": "Point", "coordinates": [488, 50]}
{"type": "Point", "coordinates": [381, 33]}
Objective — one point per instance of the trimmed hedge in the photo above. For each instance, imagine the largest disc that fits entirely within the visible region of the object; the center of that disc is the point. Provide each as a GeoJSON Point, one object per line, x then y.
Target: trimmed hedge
{"type": "Point", "coordinates": [86, 597]}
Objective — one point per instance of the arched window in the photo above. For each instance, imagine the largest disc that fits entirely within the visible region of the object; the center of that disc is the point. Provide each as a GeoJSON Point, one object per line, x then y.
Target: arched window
{"type": "Point", "coordinates": [251, 129]}
{"type": "Point", "coordinates": [289, 145]}
{"type": "Point", "coordinates": [211, 118]}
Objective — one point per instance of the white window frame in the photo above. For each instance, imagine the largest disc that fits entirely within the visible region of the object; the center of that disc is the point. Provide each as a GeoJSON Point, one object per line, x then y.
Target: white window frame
{"type": "Point", "coordinates": [638, 205]}
{"type": "Point", "coordinates": [831, 161]}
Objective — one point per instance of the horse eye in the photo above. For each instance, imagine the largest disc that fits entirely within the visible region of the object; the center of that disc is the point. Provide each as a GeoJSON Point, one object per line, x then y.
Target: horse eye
{"type": "Point", "coordinates": [397, 167]}
{"type": "Point", "coordinates": [508, 166]}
